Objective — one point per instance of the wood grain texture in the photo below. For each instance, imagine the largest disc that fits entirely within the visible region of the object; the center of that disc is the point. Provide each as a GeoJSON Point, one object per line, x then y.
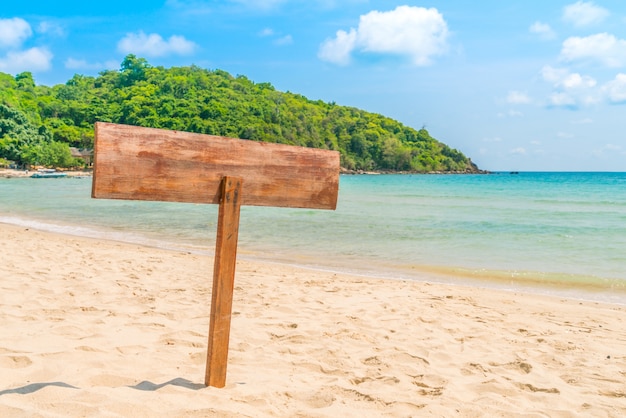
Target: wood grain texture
{"type": "Point", "coordinates": [223, 282]}
{"type": "Point", "coordinates": [138, 163]}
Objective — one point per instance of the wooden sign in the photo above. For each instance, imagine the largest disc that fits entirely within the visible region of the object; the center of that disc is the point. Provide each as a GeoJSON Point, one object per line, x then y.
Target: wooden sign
{"type": "Point", "coordinates": [137, 163]}
{"type": "Point", "coordinates": [154, 164]}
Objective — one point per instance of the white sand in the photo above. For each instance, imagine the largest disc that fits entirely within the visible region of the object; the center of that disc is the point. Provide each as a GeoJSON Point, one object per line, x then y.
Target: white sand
{"type": "Point", "coordinates": [95, 328]}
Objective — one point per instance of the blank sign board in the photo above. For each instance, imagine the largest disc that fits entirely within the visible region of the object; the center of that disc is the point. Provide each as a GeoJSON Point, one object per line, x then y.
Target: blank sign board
{"type": "Point", "coordinates": [137, 163]}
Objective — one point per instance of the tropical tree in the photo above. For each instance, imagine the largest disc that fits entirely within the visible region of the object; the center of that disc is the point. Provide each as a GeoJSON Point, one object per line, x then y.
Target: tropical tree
{"type": "Point", "coordinates": [35, 119]}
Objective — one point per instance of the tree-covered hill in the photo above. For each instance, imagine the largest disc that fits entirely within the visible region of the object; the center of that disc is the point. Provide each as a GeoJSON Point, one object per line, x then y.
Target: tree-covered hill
{"type": "Point", "coordinates": [38, 124]}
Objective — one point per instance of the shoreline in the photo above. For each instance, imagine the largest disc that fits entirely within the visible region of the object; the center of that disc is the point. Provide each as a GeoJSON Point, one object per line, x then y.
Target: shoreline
{"type": "Point", "coordinates": [347, 171]}
{"type": "Point", "coordinates": [598, 289]}
{"type": "Point", "coordinates": [15, 173]}
{"type": "Point", "coordinates": [93, 327]}
{"type": "Point", "coordinates": [9, 173]}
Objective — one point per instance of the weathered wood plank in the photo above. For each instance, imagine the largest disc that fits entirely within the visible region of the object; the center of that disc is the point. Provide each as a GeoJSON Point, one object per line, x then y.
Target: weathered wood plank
{"type": "Point", "coordinates": [223, 281]}
{"type": "Point", "coordinates": [138, 163]}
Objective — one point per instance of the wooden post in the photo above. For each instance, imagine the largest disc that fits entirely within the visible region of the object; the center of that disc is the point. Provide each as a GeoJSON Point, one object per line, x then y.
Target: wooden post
{"type": "Point", "coordinates": [136, 163]}
{"type": "Point", "coordinates": [223, 281]}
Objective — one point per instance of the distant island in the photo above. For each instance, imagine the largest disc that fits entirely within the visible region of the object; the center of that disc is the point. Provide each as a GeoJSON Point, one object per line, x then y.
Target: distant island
{"type": "Point", "coordinates": [53, 126]}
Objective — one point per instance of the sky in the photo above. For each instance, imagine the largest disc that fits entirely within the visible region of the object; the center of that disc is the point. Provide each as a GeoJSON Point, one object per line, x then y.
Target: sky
{"type": "Point", "coordinates": [517, 85]}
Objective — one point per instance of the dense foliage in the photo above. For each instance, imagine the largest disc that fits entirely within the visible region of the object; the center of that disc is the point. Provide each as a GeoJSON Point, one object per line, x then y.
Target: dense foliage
{"type": "Point", "coordinates": [38, 124]}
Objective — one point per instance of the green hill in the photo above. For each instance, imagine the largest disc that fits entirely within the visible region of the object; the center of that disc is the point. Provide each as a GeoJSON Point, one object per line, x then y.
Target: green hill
{"type": "Point", "coordinates": [38, 124]}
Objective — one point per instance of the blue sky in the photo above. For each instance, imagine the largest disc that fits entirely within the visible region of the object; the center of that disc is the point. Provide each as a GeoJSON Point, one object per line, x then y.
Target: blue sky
{"type": "Point", "coordinates": [515, 85]}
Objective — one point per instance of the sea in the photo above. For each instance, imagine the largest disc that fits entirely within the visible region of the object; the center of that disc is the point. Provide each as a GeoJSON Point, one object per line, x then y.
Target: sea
{"type": "Point", "coordinates": [545, 232]}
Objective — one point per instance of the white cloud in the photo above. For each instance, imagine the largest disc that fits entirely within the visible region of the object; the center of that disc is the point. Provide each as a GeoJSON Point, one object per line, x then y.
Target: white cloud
{"type": "Point", "coordinates": [33, 59]}
{"type": "Point", "coordinates": [616, 89]}
{"type": "Point", "coordinates": [13, 32]}
{"type": "Point", "coordinates": [518, 151]}
{"type": "Point", "coordinates": [563, 78]}
{"type": "Point", "coordinates": [338, 50]}
{"type": "Point", "coordinates": [575, 80]}
{"type": "Point", "coordinates": [543, 30]}
{"type": "Point", "coordinates": [266, 32]}
{"type": "Point", "coordinates": [415, 32]}
{"type": "Point", "coordinates": [602, 47]}
{"type": "Point", "coordinates": [154, 45]}
{"type": "Point", "coordinates": [517, 97]}
{"type": "Point", "coordinates": [582, 14]}
{"type": "Point", "coordinates": [573, 88]}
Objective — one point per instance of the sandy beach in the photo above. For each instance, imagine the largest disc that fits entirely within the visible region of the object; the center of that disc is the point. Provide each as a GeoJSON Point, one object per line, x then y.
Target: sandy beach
{"type": "Point", "coordinates": [99, 328]}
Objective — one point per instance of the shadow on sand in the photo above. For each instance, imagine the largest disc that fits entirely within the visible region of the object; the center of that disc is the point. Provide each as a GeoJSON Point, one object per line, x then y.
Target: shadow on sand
{"type": "Point", "coordinates": [149, 386]}
{"type": "Point", "coordinates": [34, 387]}
{"type": "Point", "coordinates": [145, 386]}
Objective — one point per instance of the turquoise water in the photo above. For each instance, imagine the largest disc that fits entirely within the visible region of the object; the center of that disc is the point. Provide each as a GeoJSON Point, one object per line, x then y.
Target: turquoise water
{"type": "Point", "coordinates": [563, 231]}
